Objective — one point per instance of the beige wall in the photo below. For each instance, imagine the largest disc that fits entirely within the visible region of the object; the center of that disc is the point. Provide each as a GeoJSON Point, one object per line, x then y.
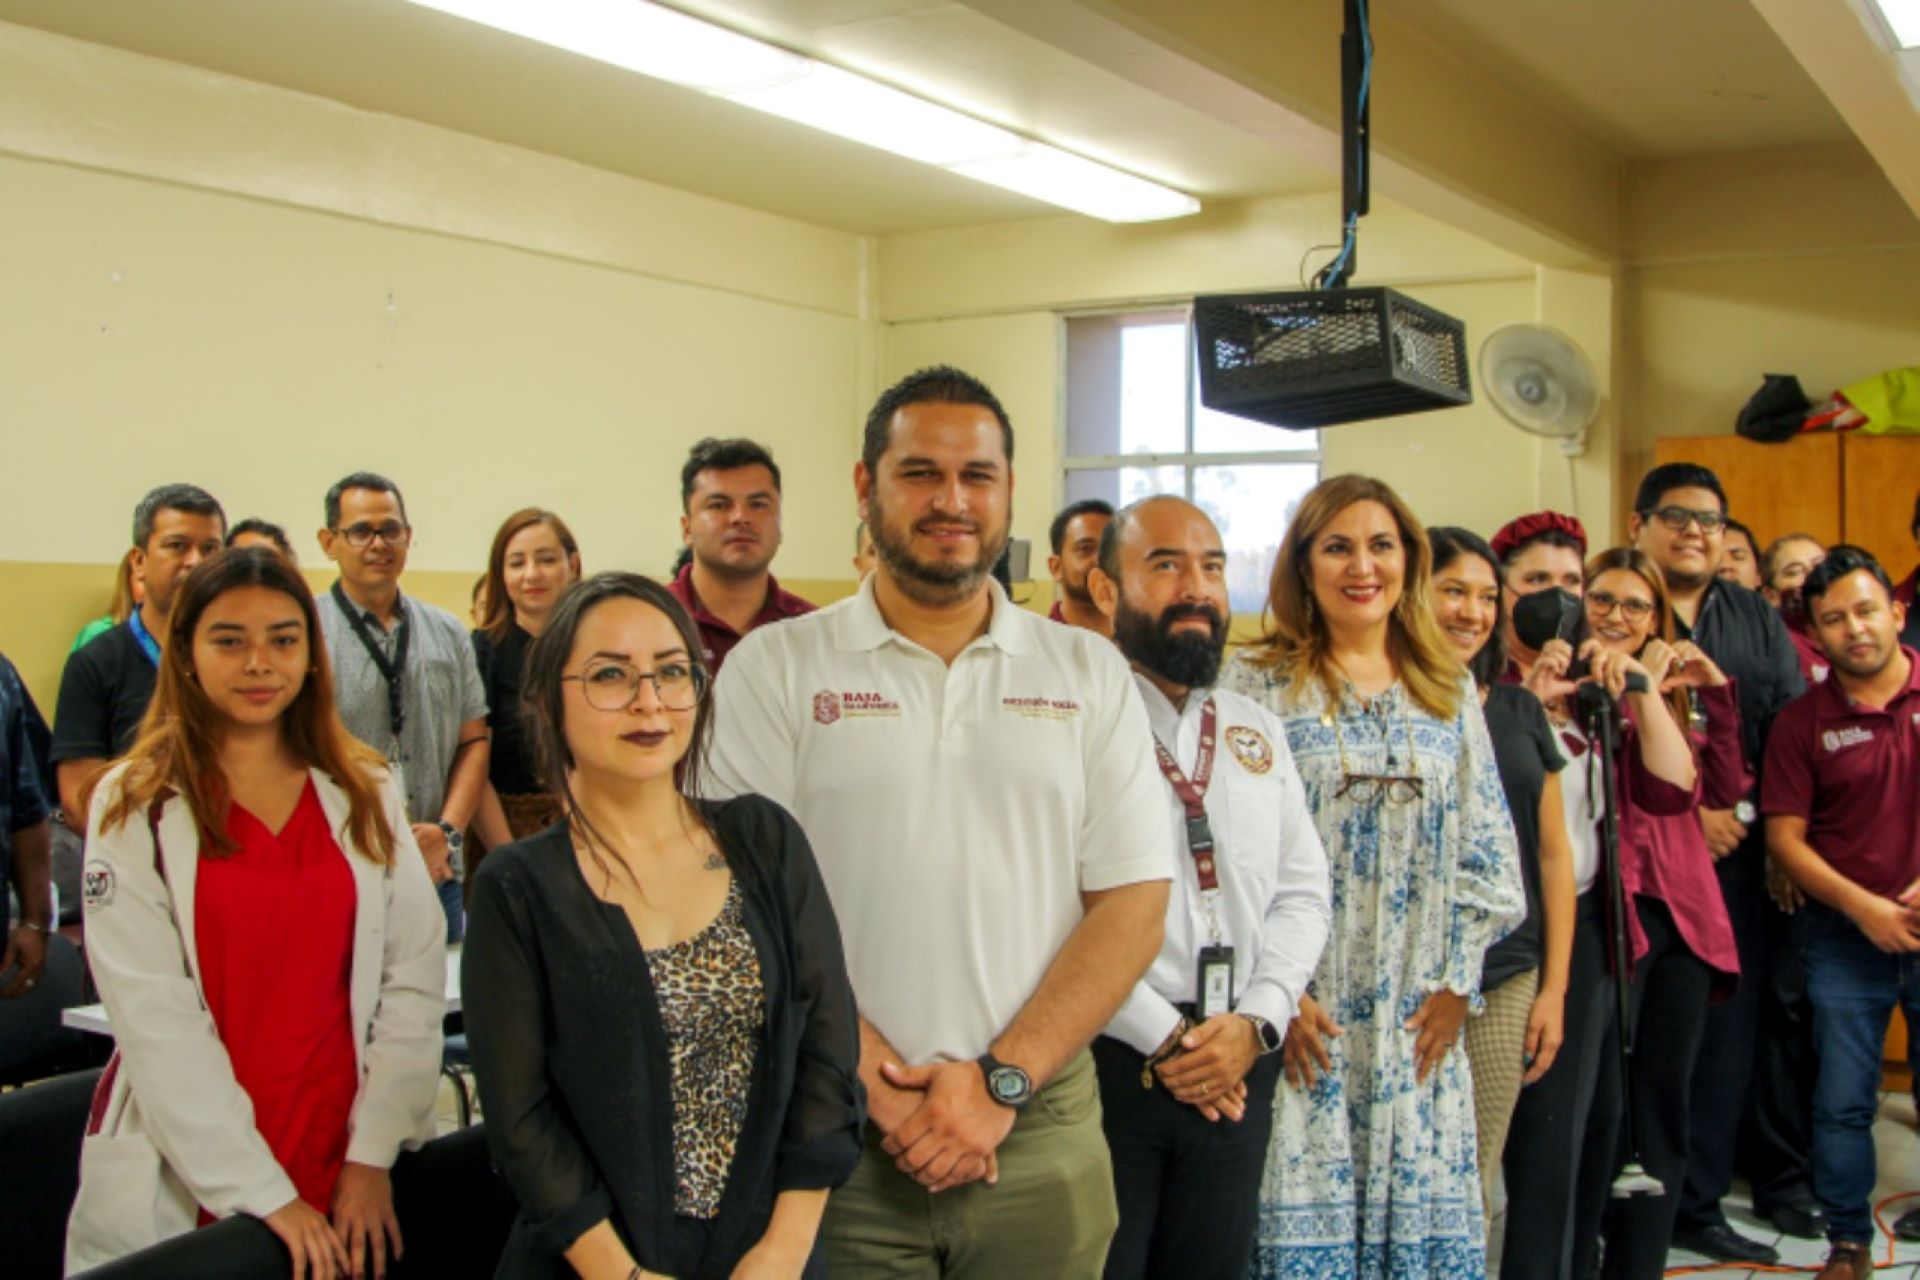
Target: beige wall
{"type": "Point", "coordinates": [990, 298]}
{"type": "Point", "coordinates": [1804, 262]}
{"type": "Point", "coordinates": [256, 291]}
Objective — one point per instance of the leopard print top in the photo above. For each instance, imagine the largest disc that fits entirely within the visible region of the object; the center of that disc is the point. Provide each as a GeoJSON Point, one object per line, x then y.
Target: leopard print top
{"type": "Point", "coordinates": [713, 1004]}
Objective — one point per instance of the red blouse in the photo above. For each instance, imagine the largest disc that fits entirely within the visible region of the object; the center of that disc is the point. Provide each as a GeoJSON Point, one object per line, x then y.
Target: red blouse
{"type": "Point", "coordinates": [273, 925]}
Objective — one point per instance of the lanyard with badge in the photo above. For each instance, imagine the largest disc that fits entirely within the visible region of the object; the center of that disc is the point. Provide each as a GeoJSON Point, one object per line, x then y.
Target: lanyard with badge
{"type": "Point", "coordinates": [148, 645]}
{"type": "Point", "coordinates": [1214, 990]}
{"type": "Point", "coordinates": [392, 670]}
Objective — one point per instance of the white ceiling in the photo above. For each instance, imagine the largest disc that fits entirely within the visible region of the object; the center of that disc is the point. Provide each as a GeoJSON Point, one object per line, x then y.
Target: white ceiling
{"type": "Point", "coordinates": [1641, 78]}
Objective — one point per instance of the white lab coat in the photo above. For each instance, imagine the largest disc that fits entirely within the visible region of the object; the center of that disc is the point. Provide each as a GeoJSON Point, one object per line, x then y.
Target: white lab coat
{"type": "Point", "coordinates": [171, 1130]}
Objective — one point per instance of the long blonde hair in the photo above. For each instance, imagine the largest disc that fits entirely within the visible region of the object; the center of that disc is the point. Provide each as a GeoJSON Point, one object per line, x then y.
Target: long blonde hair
{"type": "Point", "coordinates": [1296, 645]}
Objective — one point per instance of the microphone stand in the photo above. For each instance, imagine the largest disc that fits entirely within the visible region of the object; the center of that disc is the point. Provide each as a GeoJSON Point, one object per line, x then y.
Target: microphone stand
{"type": "Point", "coordinates": [1601, 715]}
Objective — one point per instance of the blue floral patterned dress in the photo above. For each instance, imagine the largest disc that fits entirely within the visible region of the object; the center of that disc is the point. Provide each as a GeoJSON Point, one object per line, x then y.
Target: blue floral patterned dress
{"type": "Point", "coordinates": [1370, 1174]}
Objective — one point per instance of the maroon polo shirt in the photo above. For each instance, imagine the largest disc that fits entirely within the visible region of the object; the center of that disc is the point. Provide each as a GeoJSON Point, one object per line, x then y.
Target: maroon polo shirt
{"type": "Point", "coordinates": [1814, 662]}
{"type": "Point", "coordinates": [1853, 773]}
{"type": "Point", "coordinates": [1055, 614]}
{"type": "Point", "coordinates": [716, 636]}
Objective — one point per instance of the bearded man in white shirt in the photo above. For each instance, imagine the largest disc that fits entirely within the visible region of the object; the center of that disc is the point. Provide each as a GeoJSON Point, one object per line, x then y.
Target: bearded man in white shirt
{"type": "Point", "coordinates": [1188, 1065]}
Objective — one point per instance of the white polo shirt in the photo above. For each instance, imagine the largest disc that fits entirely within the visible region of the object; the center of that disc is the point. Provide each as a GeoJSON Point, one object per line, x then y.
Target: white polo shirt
{"type": "Point", "coordinates": [957, 812]}
{"type": "Point", "coordinates": [1274, 904]}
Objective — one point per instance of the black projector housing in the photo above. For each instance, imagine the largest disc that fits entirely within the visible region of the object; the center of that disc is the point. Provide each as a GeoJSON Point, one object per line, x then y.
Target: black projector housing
{"type": "Point", "coordinates": [1322, 357]}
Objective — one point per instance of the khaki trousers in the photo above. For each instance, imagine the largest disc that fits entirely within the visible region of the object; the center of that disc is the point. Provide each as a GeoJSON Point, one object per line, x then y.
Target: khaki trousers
{"type": "Point", "coordinates": [1052, 1214]}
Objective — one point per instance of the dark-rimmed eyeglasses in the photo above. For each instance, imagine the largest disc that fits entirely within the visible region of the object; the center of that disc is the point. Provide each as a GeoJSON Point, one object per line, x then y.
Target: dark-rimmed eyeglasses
{"type": "Point", "coordinates": [1371, 788]}
{"type": "Point", "coordinates": [1602, 603]}
{"type": "Point", "coordinates": [612, 685]}
{"type": "Point", "coordinates": [1678, 518]}
{"type": "Point", "coordinates": [361, 536]}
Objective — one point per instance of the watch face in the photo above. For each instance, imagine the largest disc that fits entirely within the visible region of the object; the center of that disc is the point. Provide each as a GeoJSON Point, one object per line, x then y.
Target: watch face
{"type": "Point", "coordinates": [1009, 1084]}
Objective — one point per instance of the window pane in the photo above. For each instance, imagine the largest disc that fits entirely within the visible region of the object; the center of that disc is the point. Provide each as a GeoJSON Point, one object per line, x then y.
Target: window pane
{"type": "Point", "coordinates": [1126, 384]}
{"type": "Point", "coordinates": [1119, 486]}
{"type": "Point", "coordinates": [1224, 433]}
{"type": "Point", "coordinates": [1253, 506]}
{"type": "Point", "coordinates": [1153, 388]}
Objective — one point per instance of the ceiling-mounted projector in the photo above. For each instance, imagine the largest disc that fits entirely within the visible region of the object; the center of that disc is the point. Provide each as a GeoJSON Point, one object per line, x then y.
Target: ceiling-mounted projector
{"type": "Point", "coordinates": [1330, 354]}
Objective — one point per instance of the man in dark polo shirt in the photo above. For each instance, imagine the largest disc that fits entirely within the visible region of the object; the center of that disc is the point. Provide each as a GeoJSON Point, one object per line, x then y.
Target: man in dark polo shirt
{"type": "Point", "coordinates": [25, 863]}
{"type": "Point", "coordinates": [730, 521]}
{"type": "Point", "coordinates": [1679, 520]}
{"type": "Point", "coordinates": [1842, 802]}
{"type": "Point", "coordinates": [1075, 537]}
{"type": "Point", "coordinates": [109, 680]}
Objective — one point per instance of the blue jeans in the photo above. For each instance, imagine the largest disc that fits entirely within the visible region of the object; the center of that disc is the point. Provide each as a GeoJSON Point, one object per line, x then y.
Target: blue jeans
{"type": "Point", "coordinates": [455, 906]}
{"type": "Point", "coordinates": [1854, 987]}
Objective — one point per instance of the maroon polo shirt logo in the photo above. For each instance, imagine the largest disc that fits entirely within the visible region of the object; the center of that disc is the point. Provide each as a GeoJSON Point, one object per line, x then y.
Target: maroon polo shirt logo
{"type": "Point", "coordinates": [826, 706]}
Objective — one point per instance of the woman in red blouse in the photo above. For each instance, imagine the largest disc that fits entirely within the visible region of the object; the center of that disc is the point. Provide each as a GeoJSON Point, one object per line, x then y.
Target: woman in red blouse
{"type": "Point", "coordinates": [267, 945]}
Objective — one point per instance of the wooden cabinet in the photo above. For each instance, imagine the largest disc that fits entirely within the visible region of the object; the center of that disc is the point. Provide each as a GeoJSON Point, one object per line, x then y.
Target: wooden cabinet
{"type": "Point", "coordinates": [1839, 488]}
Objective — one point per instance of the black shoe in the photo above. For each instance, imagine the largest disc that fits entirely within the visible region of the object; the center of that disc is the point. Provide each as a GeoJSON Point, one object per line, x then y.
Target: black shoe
{"type": "Point", "coordinates": [1797, 1215]}
{"type": "Point", "coordinates": [1723, 1244]}
{"type": "Point", "coordinates": [1907, 1225]}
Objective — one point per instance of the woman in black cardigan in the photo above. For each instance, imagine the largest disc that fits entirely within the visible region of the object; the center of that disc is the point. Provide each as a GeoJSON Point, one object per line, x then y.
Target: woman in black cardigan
{"type": "Point", "coordinates": [662, 1028]}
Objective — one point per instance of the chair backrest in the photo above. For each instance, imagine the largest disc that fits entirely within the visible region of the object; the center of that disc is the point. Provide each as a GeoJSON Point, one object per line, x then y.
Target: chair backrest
{"type": "Point", "coordinates": [40, 1130]}
{"type": "Point", "coordinates": [30, 1032]}
{"type": "Point", "coordinates": [454, 1213]}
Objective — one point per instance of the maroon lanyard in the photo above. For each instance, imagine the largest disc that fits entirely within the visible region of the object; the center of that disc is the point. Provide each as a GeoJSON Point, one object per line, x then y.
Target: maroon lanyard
{"type": "Point", "coordinates": [1193, 797]}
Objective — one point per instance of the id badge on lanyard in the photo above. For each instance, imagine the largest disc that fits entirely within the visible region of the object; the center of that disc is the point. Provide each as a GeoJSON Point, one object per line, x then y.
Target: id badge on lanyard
{"type": "Point", "coordinates": [1213, 984]}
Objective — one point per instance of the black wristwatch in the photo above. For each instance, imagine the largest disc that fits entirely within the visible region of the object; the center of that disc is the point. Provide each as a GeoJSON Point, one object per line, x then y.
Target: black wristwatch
{"type": "Point", "coordinates": [1269, 1035]}
{"type": "Point", "coordinates": [1006, 1084]}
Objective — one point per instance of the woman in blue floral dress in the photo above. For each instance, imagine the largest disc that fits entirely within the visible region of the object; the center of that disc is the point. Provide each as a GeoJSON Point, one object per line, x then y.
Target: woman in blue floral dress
{"type": "Point", "coordinates": [1371, 1170]}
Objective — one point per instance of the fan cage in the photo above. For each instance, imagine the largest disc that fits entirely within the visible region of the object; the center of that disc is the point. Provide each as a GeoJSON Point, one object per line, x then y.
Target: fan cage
{"type": "Point", "coordinates": [1322, 357]}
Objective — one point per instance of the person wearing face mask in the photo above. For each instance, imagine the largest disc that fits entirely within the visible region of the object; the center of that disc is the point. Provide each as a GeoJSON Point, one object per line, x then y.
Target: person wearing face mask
{"type": "Point", "coordinates": [663, 1033]}
{"type": "Point", "coordinates": [1371, 1168]}
{"type": "Point", "coordinates": [1525, 975]}
{"type": "Point", "coordinates": [533, 561]}
{"type": "Point", "coordinates": [1752, 1091]}
{"type": "Point", "coordinates": [1189, 1064]}
{"type": "Point", "coordinates": [1783, 568]}
{"type": "Point", "coordinates": [1538, 551]}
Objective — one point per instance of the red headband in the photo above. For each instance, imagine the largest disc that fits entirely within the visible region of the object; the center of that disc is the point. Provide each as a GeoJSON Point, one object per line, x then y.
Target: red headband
{"type": "Point", "coordinates": [1517, 533]}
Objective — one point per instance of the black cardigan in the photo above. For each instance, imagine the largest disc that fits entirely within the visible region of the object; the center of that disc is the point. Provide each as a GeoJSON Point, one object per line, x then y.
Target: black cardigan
{"type": "Point", "coordinates": [571, 1055]}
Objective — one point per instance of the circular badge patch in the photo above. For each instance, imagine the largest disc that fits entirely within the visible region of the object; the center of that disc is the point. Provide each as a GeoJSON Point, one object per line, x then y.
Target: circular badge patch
{"type": "Point", "coordinates": [1251, 748]}
{"type": "Point", "coordinates": [97, 884]}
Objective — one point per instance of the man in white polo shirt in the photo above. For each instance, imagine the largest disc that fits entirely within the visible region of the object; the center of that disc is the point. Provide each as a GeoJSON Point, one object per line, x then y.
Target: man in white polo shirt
{"type": "Point", "coordinates": [1189, 1064]}
{"type": "Point", "coordinates": [979, 787]}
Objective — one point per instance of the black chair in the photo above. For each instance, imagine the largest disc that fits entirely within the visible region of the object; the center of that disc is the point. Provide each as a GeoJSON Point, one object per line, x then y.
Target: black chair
{"type": "Point", "coordinates": [454, 1212]}
{"type": "Point", "coordinates": [40, 1130]}
{"type": "Point", "coordinates": [33, 1043]}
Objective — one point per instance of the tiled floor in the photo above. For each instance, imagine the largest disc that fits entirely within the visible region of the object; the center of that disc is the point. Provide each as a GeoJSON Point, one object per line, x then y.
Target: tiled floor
{"type": "Point", "coordinates": [1897, 1143]}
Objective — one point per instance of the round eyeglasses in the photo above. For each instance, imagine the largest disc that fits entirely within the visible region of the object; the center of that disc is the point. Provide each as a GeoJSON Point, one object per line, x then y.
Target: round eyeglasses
{"type": "Point", "coordinates": [612, 685]}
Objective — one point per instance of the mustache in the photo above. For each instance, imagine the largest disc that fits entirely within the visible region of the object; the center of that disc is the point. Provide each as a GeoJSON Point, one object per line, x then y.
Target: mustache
{"type": "Point", "coordinates": [946, 522]}
{"type": "Point", "coordinates": [1177, 612]}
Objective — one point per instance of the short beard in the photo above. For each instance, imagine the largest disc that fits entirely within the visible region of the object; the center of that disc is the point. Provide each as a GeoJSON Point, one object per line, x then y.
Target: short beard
{"type": "Point", "coordinates": [732, 572]}
{"type": "Point", "coordinates": [1079, 593]}
{"type": "Point", "coordinates": [937, 586]}
{"type": "Point", "coordinates": [1188, 660]}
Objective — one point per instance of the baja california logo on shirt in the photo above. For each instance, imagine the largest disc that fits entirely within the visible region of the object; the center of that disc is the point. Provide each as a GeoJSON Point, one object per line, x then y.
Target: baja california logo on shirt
{"type": "Point", "coordinates": [1851, 736]}
{"type": "Point", "coordinates": [1251, 748]}
{"type": "Point", "coordinates": [1042, 708]}
{"type": "Point", "coordinates": [829, 707]}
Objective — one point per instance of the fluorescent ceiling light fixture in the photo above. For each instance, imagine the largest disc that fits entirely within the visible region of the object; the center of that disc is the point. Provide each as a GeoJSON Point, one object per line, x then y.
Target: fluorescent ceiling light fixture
{"type": "Point", "coordinates": [666, 44]}
{"type": "Point", "coordinates": [1903, 18]}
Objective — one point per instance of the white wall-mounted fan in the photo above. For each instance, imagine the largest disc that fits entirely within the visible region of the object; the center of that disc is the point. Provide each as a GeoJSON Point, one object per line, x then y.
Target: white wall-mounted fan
{"type": "Point", "coordinates": [1541, 382]}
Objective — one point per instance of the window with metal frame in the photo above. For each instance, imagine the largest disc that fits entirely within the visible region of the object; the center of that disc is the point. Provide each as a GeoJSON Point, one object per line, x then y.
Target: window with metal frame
{"type": "Point", "coordinates": [1136, 427]}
